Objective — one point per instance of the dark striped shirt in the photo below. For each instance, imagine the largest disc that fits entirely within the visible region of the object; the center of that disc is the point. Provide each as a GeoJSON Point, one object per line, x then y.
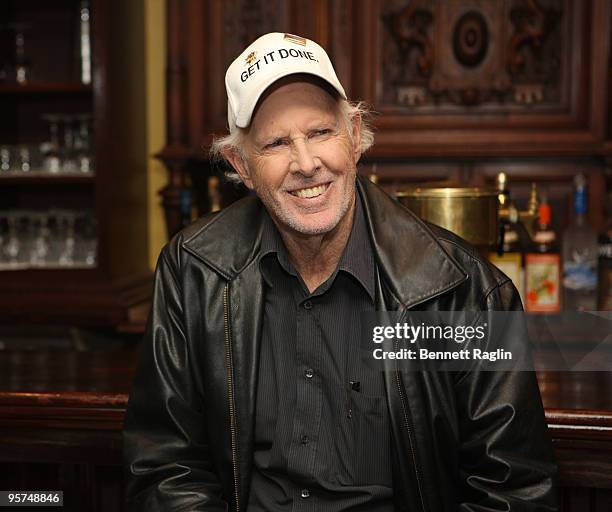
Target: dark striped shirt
{"type": "Point", "coordinates": [321, 443]}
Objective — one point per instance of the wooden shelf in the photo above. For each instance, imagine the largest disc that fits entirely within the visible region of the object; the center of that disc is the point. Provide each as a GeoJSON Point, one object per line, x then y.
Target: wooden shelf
{"type": "Point", "coordinates": [46, 87]}
{"type": "Point", "coordinates": [39, 178]}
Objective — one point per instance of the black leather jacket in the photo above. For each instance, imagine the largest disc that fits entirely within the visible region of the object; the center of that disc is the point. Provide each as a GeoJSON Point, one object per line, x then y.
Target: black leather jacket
{"type": "Point", "coordinates": [472, 442]}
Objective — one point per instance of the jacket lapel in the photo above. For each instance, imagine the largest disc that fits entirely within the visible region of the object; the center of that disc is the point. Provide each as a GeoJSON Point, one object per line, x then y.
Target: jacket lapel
{"type": "Point", "coordinates": [228, 241]}
{"type": "Point", "coordinates": [413, 264]}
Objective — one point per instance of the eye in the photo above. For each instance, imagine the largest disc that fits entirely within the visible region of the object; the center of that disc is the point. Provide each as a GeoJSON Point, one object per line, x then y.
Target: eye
{"type": "Point", "coordinates": [322, 132]}
{"type": "Point", "coordinates": [276, 143]}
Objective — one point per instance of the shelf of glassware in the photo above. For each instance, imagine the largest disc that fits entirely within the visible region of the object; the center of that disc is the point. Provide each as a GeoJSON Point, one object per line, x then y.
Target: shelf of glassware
{"type": "Point", "coordinates": [68, 150]}
{"type": "Point", "coordinates": [47, 239]}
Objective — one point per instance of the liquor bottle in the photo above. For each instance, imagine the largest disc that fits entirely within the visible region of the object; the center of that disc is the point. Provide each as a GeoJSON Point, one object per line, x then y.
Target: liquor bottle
{"type": "Point", "coordinates": [509, 258]}
{"type": "Point", "coordinates": [605, 261]}
{"type": "Point", "coordinates": [543, 266]}
{"type": "Point", "coordinates": [510, 261]}
{"type": "Point", "coordinates": [85, 42]}
{"type": "Point", "coordinates": [580, 255]}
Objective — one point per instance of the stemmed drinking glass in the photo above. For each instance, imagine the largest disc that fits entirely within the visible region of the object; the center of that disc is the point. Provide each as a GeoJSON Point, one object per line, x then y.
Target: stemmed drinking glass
{"type": "Point", "coordinates": [66, 220]}
{"type": "Point", "coordinates": [69, 164]}
{"type": "Point", "coordinates": [89, 239]}
{"type": "Point", "coordinates": [5, 158]}
{"type": "Point", "coordinates": [25, 162]}
{"type": "Point", "coordinates": [40, 251]}
{"type": "Point", "coordinates": [12, 246]}
{"type": "Point", "coordinates": [51, 148]}
{"type": "Point", "coordinates": [82, 144]}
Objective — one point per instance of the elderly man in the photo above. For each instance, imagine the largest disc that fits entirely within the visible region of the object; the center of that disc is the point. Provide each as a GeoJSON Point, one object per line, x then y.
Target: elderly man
{"type": "Point", "coordinates": [251, 395]}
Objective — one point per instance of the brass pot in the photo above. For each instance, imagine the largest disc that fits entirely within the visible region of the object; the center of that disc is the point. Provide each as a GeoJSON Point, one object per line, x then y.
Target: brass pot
{"type": "Point", "coordinates": [471, 213]}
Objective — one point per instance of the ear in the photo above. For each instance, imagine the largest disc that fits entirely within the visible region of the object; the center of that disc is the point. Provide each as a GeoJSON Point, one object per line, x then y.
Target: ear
{"type": "Point", "coordinates": [356, 127]}
{"type": "Point", "coordinates": [239, 166]}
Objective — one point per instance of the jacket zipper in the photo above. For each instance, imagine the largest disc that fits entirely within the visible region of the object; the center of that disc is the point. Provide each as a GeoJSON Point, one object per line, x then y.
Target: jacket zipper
{"type": "Point", "coordinates": [229, 363]}
{"type": "Point", "coordinates": [407, 422]}
{"type": "Point", "coordinates": [410, 431]}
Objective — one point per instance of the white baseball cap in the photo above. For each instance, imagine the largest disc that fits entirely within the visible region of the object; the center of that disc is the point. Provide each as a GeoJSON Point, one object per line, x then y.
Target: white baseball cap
{"type": "Point", "coordinates": [267, 59]}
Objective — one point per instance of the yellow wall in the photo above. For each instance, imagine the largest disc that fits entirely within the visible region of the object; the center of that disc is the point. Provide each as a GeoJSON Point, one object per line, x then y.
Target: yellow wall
{"type": "Point", "coordinates": [155, 62]}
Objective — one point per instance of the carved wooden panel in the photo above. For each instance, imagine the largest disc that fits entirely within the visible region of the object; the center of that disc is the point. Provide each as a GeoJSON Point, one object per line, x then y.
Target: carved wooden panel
{"type": "Point", "coordinates": [476, 52]}
{"type": "Point", "coordinates": [483, 77]}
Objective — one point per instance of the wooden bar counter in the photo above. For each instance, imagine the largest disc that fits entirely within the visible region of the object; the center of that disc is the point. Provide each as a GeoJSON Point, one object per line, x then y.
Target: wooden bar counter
{"type": "Point", "coordinates": [61, 414]}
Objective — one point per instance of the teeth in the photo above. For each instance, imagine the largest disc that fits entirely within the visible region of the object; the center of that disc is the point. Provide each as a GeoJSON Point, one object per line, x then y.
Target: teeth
{"type": "Point", "coordinates": [307, 193]}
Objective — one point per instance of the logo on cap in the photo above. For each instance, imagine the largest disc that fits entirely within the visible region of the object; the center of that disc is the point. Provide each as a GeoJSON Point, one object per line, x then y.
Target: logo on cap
{"type": "Point", "coordinates": [250, 58]}
{"type": "Point", "coordinates": [295, 39]}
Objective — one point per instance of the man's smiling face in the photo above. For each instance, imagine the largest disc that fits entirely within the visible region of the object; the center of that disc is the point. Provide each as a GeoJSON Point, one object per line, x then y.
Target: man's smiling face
{"type": "Point", "coordinates": [300, 159]}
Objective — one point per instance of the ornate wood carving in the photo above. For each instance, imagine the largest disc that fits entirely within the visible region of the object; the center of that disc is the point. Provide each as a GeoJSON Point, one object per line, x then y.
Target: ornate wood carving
{"type": "Point", "coordinates": [531, 82]}
{"type": "Point", "coordinates": [534, 52]}
{"type": "Point", "coordinates": [472, 53]}
{"type": "Point", "coordinates": [410, 29]}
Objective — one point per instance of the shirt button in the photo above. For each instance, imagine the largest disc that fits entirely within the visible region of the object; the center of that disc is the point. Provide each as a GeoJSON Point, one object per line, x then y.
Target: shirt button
{"type": "Point", "coordinates": [305, 440]}
{"type": "Point", "coordinates": [305, 493]}
{"type": "Point", "coordinates": [308, 305]}
{"type": "Point", "coordinates": [309, 373]}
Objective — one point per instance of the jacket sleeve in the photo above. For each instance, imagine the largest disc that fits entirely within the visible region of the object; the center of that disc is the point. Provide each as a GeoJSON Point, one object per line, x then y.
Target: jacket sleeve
{"type": "Point", "coordinates": [506, 457]}
{"type": "Point", "coordinates": [165, 446]}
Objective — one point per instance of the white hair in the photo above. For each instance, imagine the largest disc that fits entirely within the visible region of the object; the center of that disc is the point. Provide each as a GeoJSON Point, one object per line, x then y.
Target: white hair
{"type": "Point", "coordinates": [234, 142]}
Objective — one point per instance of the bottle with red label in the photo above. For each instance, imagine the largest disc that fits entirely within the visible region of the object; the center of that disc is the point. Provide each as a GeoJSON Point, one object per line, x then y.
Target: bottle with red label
{"type": "Point", "coordinates": [543, 266]}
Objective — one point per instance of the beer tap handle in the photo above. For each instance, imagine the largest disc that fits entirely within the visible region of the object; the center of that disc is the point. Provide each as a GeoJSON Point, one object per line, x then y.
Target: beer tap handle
{"type": "Point", "coordinates": [502, 188]}
{"type": "Point", "coordinates": [507, 211]}
{"type": "Point", "coordinates": [529, 216]}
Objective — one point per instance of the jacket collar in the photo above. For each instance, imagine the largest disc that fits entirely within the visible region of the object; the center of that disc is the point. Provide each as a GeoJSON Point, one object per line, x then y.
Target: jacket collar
{"type": "Point", "coordinates": [412, 262]}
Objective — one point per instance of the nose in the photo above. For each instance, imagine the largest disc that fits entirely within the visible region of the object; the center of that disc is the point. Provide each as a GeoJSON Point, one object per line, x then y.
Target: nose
{"type": "Point", "coordinates": [304, 161]}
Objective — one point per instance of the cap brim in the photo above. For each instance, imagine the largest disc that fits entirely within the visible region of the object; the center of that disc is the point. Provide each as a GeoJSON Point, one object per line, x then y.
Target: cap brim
{"type": "Point", "coordinates": [243, 118]}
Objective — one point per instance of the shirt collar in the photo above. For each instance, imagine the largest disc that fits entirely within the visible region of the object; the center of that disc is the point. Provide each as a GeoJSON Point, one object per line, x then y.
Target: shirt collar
{"type": "Point", "coordinates": [272, 244]}
{"type": "Point", "coordinates": [357, 258]}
